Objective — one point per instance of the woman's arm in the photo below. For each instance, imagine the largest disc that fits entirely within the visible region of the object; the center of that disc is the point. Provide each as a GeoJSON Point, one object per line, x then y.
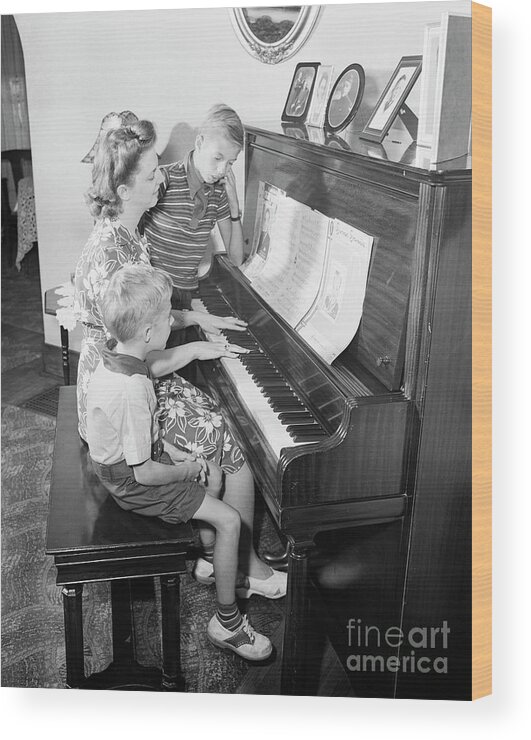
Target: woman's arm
{"type": "Point", "coordinates": [208, 322]}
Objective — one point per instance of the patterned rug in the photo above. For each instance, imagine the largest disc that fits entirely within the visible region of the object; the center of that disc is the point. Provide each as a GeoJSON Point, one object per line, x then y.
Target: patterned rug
{"type": "Point", "coordinates": [32, 615]}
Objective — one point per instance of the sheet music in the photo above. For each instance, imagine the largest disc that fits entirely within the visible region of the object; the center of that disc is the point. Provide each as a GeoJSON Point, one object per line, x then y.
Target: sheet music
{"type": "Point", "coordinates": [288, 253]}
{"type": "Point", "coordinates": [278, 260]}
{"type": "Point", "coordinates": [296, 292]}
{"type": "Point", "coordinates": [311, 270]}
{"type": "Point", "coordinates": [268, 200]}
{"type": "Point", "coordinates": [335, 315]}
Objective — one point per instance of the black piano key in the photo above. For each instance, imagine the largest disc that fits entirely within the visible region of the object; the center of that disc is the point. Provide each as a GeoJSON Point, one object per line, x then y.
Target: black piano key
{"type": "Point", "coordinates": [285, 404]}
{"type": "Point", "coordinates": [302, 433]}
{"type": "Point", "coordinates": [260, 368]}
{"type": "Point", "coordinates": [279, 406]}
{"type": "Point", "coordinates": [260, 360]}
{"type": "Point", "coordinates": [308, 437]}
{"type": "Point", "coordinates": [294, 417]}
{"type": "Point", "coordinates": [283, 396]}
{"type": "Point", "coordinates": [256, 365]}
{"type": "Point", "coordinates": [242, 340]}
{"type": "Point", "coordinates": [271, 383]}
{"type": "Point", "coordinates": [303, 428]}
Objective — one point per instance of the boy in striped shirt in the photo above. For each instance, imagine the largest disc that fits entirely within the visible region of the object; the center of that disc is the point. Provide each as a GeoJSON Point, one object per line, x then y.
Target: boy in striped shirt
{"type": "Point", "coordinates": [196, 194]}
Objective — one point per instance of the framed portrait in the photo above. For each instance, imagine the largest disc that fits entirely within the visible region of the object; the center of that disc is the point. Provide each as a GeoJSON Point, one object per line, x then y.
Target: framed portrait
{"type": "Point", "coordinates": [394, 95]}
{"type": "Point", "coordinates": [300, 92]}
{"type": "Point", "coordinates": [345, 98]}
{"type": "Point", "coordinates": [428, 83]}
{"type": "Point", "coordinates": [445, 107]}
{"type": "Point", "coordinates": [323, 83]}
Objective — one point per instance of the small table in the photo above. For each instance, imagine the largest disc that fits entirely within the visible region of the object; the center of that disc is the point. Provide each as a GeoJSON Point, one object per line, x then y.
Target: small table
{"type": "Point", "coordinates": [51, 304]}
{"type": "Point", "coordinates": [92, 539]}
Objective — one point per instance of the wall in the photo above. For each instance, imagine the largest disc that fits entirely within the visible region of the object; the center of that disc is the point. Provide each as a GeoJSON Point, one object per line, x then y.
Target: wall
{"type": "Point", "coordinates": [169, 66]}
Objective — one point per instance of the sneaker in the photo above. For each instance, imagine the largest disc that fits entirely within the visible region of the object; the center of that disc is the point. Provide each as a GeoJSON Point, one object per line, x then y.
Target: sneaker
{"type": "Point", "coordinates": [203, 572]}
{"type": "Point", "coordinates": [274, 587]}
{"type": "Point", "coordinates": [244, 641]}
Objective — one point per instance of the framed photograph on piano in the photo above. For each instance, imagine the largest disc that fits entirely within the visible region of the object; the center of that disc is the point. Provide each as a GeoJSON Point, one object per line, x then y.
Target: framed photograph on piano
{"type": "Point", "coordinates": [323, 83]}
{"type": "Point", "coordinates": [392, 98]}
{"type": "Point", "coordinates": [345, 98]}
{"type": "Point", "coordinates": [300, 92]}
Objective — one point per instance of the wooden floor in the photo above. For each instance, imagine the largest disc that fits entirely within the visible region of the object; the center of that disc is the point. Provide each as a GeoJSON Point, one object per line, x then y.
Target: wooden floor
{"type": "Point", "coordinates": [23, 374]}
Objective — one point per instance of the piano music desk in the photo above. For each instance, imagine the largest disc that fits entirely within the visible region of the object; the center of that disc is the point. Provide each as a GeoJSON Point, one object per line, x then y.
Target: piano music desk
{"type": "Point", "coordinates": [92, 539]}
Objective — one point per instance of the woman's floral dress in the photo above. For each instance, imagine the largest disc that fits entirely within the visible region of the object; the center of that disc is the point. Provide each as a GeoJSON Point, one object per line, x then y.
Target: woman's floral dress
{"type": "Point", "coordinates": [189, 418]}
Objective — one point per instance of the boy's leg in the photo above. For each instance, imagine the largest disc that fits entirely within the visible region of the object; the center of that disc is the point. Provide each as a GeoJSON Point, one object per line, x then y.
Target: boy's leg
{"type": "Point", "coordinates": [228, 629]}
{"type": "Point", "coordinates": [227, 524]}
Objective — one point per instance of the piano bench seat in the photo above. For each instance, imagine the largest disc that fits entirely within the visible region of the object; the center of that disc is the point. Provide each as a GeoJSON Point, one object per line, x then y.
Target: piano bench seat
{"type": "Point", "coordinates": [92, 539]}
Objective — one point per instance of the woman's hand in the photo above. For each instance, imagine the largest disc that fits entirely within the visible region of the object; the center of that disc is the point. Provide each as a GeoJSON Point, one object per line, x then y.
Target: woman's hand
{"type": "Point", "coordinates": [216, 324]}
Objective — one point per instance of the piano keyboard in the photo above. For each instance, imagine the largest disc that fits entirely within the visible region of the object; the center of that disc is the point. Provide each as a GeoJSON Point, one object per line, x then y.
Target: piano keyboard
{"type": "Point", "coordinates": [272, 404]}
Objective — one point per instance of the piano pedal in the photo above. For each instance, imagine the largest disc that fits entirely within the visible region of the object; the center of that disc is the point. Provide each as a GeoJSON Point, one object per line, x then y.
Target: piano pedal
{"type": "Point", "coordinates": [277, 561]}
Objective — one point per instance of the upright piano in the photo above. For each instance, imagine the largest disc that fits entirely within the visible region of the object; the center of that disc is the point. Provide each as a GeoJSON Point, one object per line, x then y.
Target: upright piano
{"type": "Point", "coordinates": [376, 445]}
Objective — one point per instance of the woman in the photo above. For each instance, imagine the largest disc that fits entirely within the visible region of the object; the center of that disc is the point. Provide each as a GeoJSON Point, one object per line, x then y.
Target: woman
{"type": "Point", "coordinates": [125, 182]}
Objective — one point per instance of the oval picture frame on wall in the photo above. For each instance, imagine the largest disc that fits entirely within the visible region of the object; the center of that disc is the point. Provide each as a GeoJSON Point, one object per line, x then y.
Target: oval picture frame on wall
{"type": "Point", "coordinates": [345, 98]}
{"type": "Point", "coordinates": [279, 36]}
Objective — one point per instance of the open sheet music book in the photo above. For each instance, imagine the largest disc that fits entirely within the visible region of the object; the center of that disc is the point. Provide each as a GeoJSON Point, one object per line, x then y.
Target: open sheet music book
{"type": "Point", "coordinates": [311, 269]}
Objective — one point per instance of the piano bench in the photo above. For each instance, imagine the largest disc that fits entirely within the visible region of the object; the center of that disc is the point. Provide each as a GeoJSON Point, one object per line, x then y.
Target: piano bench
{"type": "Point", "coordinates": [92, 539]}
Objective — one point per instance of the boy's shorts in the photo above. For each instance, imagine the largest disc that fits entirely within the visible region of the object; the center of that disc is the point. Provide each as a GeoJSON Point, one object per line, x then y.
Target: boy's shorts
{"type": "Point", "coordinates": [173, 502]}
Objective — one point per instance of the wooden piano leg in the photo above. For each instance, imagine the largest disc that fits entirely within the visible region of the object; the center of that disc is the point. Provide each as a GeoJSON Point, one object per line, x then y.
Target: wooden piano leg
{"type": "Point", "coordinates": [280, 562]}
{"type": "Point", "coordinates": [72, 607]}
{"type": "Point", "coordinates": [293, 671]}
{"type": "Point", "coordinates": [172, 678]}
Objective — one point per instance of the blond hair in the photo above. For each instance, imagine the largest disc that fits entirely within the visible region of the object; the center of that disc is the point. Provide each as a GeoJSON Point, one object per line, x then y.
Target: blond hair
{"type": "Point", "coordinates": [222, 118]}
{"type": "Point", "coordinates": [136, 295]}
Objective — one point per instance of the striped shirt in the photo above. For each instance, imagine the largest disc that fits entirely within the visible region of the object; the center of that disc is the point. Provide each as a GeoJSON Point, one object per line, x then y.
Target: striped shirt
{"type": "Point", "coordinates": [177, 234]}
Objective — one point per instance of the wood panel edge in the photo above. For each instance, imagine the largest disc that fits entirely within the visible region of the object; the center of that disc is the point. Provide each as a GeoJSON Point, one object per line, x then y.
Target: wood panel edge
{"type": "Point", "coordinates": [481, 351]}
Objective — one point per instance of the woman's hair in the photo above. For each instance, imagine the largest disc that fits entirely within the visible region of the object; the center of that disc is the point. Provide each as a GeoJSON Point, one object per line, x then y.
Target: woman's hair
{"type": "Point", "coordinates": [116, 162]}
{"type": "Point", "coordinates": [222, 118]}
{"type": "Point", "coordinates": [136, 295]}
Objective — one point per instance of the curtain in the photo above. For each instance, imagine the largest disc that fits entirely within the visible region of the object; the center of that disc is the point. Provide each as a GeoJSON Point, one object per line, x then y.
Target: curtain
{"type": "Point", "coordinates": [15, 124]}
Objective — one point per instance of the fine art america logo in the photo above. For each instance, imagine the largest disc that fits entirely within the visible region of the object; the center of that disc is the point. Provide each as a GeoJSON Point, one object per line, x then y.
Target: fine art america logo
{"type": "Point", "coordinates": [411, 647]}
